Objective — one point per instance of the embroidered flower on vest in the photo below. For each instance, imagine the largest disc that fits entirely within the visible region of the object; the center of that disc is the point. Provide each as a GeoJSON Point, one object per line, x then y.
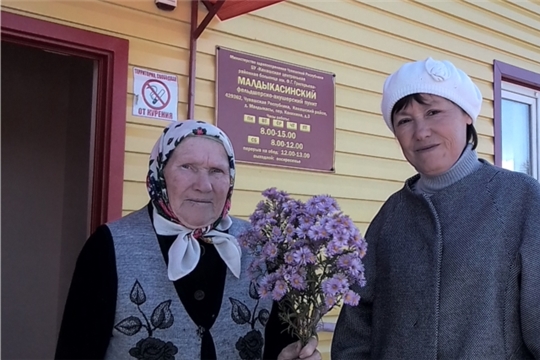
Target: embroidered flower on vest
{"type": "Point", "coordinates": [149, 348]}
{"type": "Point", "coordinates": [249, 346]}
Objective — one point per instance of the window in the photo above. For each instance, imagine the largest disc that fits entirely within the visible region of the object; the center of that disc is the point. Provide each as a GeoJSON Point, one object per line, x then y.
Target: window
{"type": "Point", "coordinates": [519, 129]}
{"type": "Point", "coordinates": [517, 119]}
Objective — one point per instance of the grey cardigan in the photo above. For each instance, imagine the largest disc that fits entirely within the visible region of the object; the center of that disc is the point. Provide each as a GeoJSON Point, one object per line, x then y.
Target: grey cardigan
{"type": "Point", "coordinates": [451, 276]}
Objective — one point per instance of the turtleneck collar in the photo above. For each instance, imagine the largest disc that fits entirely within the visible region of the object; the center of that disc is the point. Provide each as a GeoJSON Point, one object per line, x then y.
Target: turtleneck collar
{"type": "Point", "coordinates": [466, 165]}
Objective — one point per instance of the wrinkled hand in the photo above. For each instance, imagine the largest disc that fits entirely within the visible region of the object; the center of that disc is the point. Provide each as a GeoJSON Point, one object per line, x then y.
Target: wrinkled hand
{"type": "Point", "coordinates": [294, 351]}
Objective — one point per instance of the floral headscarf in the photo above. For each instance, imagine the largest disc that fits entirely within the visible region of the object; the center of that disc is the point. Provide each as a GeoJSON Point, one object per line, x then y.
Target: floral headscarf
{"type": "Point", "coordinates": [162, 152]}
{"type": "Point", "coordinates": [185, 251]}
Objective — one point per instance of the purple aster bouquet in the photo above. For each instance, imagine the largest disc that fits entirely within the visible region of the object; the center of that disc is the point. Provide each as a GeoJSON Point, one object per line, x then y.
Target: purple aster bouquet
{"type": "Point", "coordinates": [307, 256]}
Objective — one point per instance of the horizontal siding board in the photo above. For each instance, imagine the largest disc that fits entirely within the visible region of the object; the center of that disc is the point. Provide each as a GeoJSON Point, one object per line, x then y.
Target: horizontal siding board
{"type": "Point", "coordinates": [346, 119]}
{"type": "Point", "coordinates": [136, 166]}
{"type": "Point", "coordinates": [346, 164]}
{"type": "Point", "coordinates": [453, 33]}
{"type": "Point", "coordinates": [378, 152]}
{"type": "Point", "coordinates": [491, 44]}
{"type": "Point", "coordinates": [244, 202]}
{"type": "Point", "coordinates": [302, 183]}
{"type": "Point", "coordinates": [492, 23]}
{"type": "Point", "coordinates": [157, 57]}
{"type": "Point", "coordinates": [119, 20]}
{"type": "Point", "coordinates": [141, 138]}
{"type": "Point", "coordinates": [374, 168]}
{"type": "Point", "coordinates": [484, 126]}
{"type": "Point", "coordinates": [530, 8]}
{"type": "Point", "coordinates": [374, 29]}
{"type": "Point", "coordinates": [514, 17]}
{"type": "Point", "coordinates": [357, 143]}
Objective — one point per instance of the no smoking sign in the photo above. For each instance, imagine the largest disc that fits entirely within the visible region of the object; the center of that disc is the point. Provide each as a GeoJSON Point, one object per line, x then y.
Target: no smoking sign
{"type": "Point", "coordinates": [156, 95]}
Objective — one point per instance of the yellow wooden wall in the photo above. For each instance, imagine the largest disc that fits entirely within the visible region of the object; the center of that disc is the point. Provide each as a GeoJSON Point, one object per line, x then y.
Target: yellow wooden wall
{"type": "Point", "coordinates": [361, 42]}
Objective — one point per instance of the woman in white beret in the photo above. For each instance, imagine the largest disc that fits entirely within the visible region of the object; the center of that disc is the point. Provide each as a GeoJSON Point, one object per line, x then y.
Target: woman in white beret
{"type": "Point", "coordinates": [453, 264]}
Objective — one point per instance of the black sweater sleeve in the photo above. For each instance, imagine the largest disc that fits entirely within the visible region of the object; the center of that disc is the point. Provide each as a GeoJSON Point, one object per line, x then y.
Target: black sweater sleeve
{"type": "Point", "coordinates": [90, 308]}
{"type": "Point", "coordinates": [276, 335]}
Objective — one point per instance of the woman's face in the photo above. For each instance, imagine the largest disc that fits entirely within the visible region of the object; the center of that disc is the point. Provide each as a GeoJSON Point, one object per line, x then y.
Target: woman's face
{"type": "Point", "coordinates": [197, 179]}
{"type": "Point", "coordinates": [432, 135]}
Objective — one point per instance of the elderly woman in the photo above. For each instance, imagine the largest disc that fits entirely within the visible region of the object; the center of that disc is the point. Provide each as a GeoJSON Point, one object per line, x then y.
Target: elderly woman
{"type": "Point", "coordinates": [453, 265]}
{"type": "Point", "coordinates": [168, 281]}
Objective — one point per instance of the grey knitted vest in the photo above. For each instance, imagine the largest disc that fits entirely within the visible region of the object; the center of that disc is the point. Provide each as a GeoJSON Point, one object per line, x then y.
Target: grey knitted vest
{"type": "Point", "coordinates": [150, 320]}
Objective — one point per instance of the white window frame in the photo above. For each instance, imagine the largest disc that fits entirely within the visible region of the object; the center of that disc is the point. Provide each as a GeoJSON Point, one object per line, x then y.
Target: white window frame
{"type": "Point", "coordinates": [531, 97]}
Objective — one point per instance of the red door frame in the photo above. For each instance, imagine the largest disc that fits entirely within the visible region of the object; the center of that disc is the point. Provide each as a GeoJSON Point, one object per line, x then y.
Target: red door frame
{"type": "Point", "coordinates": [111, 56]}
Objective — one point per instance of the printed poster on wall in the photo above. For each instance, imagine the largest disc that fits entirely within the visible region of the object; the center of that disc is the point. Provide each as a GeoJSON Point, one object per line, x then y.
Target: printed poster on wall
{"type": "Point", "coordinates": [155, 95]}
{"type": "Point", "coordinates": [276, 113]}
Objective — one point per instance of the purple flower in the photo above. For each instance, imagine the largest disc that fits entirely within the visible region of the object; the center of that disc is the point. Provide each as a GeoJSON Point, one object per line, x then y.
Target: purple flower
{"type": "Point", "coordinates": [250, 239]}
{"type": "Point", "coordinates": [267, 220]}
{"type": "Point", "coordinates": [313, 207]}
{"type": "Point", "coordinates": [303, 230]}
{"type": "Point", "coordinates": [257, 217]}
{"type": "Point", "coordinates": [356, 267]}
{"type": "Point", "coordinates": [343, 281]}
{"type": "Point", "coordinates": [265, 287]}
{"type": "Point", "coordinates": [351, 298]}
{"type": "Point", "coordinates": [273, 194]}
{"type": "Point", "coordinates": [328, 204]}
{"type": "Point", "coordinates": [360, 280]}
{"type": "Point", "coordinates": [321, 205]}
{"type": "Point", "coordinates": [307, 220]}
{"type": "Point", "coordinates": [259, 224]}
{"type": "Point", "coordinates": [334, 247]}
{"type": "Point", "coordinates": [324, 234]}
{"type": "Point", "coordinates": [270, 193]}
{"type": "Point", "coordinates": [296, 245]}
{"type": "Point", "coordinates": [289, 232]}
{"type": "Point", "coordinates": [347, 227]}
{"type": "Point", "coordinates": [333, 226]}
{"type": "Point", "coordinates": [298, 281]}
{"type": "Point", "coordinates": [344, 261]}
{"type": "Point", "coordinates": [270, 250]}
{"type": "Point", "coordinates": [280, 289]}
{"type": "Point", "coordinates": [277, 235]}
{"type": "Point", "coordinates": [261, 207]}
{"type": "Point", "coordinates": [284, 273]}
{"type": "Point", "coordinates": [335, 284]}
{"type": "Point", "coordinates": [303, 256]}
{"type": "Point", "coordinates": [300, 243]}
{"type": "Point", "coordinates": [289, 258]}
{"type": "Point", "coordinates": [331, 286]}
{"type": "Point", "coordinates": [329, 301]}
{"type": "Point", "coordinates": [289, 207]}
{"type": "Point", "coordinates": [360, 244]}
{"type": "Point", "coordinates": [316, 232]}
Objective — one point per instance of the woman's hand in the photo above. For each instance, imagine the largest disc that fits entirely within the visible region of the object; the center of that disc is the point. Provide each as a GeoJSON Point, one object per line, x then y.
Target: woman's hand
{"type": "Point", "coordinates": [294, 351]}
